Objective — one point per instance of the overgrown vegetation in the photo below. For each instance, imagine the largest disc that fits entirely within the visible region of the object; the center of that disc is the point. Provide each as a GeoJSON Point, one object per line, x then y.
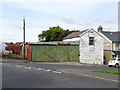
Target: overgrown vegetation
{"type": "Point", "coordinates": [109, 72]}
{"type": "Point", "coordinates": [13, 56]}
{"type": "Point", "coordinates": [54, 34]}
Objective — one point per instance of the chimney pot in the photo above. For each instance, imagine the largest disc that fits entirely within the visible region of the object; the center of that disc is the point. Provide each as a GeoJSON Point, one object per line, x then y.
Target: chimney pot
{"type": "Point", "coordinates": [100, 28]}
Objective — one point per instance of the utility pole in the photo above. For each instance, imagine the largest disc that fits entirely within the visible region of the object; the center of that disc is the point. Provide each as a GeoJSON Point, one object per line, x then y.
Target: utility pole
{"type": "Point", "coordinates": [24, 37]}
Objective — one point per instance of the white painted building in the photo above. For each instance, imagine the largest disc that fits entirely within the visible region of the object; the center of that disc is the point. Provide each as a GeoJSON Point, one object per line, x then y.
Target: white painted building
{"type": "Point", "coordinates": [90, 45]}
{"type": "Point", "coordinates": [3, 47]}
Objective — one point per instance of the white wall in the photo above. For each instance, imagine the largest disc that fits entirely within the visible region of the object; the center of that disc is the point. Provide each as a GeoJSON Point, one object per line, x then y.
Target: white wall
{"type": "Point", "coordinates": [91, 54]}
{"type": "Point", "coordinates": [72, 39]}
{"type": "Point", "coordinates": [107, 42]}
{"type": "Point", "coordinates": [3, 48]}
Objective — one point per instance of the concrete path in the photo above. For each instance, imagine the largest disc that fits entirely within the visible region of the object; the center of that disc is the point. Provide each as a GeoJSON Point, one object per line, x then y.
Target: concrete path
{"type": "Point", "coordinates": [88, 73]}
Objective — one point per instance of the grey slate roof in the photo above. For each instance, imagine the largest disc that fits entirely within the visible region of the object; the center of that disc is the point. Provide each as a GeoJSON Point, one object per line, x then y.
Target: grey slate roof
{"type": "Point", "coordinates": [113, 36]}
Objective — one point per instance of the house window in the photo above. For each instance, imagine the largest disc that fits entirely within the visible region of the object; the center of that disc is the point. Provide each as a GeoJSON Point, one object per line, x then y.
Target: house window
{"type": "Point", "coordinates": [117, 45]}
{"type": "Point", "coordinates": [91, 40]}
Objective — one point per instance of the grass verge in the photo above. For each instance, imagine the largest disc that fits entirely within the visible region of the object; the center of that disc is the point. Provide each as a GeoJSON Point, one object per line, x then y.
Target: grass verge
{"type": "Point", "coordinates": [108, 72]}
{"type": "Point", "coordinates": [13, 56]}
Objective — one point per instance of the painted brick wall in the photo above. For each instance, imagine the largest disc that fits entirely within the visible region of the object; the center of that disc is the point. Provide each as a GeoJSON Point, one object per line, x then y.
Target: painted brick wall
{"type": "Point", "coordinates": [15, 49]}
{"type": "Point", "coordinates": [28, 53]}
{"type": "Point", "coordinates": [91, 54]}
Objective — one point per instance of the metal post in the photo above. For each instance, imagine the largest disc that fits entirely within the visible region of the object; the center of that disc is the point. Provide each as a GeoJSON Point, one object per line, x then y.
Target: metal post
{"type": "Point", "coordinates": [24, 37]}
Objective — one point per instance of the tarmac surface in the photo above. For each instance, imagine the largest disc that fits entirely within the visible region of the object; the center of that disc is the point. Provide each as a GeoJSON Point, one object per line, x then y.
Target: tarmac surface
{"type": "Point", "coordinates": [23, 74]}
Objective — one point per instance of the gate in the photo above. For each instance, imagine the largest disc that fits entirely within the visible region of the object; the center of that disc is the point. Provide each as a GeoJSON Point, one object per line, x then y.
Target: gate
{"type": "Point", "coordinates": [55, 53]}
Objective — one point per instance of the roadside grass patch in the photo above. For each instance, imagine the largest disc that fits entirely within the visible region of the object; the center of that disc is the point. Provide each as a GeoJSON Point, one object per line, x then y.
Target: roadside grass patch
{"type": "Point", "coordinates": [13, 56]}
{"type": "Point", "coordinates": [108, 72]}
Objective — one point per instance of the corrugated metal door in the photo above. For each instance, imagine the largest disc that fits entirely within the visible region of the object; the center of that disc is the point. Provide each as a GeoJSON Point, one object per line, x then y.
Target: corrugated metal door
{"type": "Point", "coordinates": [55, 53]}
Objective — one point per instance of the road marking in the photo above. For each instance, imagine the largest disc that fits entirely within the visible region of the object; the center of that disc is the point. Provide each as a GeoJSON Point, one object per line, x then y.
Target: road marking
{"type": "Point", "coordinates": [35, 68]}
{"type": "Point", "coordinates": [56, 72]}
{"type": "Point", "coordinates": [29, 67]}
{"type": "Point", "coordinates": [92, 76]}
{"type": "Point", "coordinates": [100, 78]}
{"type": "Point", "coordinates": [19, 66]}
{"type": "Point", "coordinates": [47, 70]}
{"type": "Point", "coordinates": [39, 69]}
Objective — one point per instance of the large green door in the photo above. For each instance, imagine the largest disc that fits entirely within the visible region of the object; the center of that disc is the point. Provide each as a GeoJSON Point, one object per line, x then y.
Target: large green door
{"type": "Point", "coordinates": [55, 53]}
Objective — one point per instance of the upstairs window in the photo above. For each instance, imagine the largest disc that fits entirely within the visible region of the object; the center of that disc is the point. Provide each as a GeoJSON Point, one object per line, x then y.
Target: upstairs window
{"type": "Point", "coordinates": [117, 45]}
{"type": "Point", "coordinates": [91, 40]}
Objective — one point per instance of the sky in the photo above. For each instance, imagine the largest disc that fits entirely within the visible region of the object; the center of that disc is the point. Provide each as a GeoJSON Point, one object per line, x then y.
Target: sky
{"type": "Point", "coordinates": [42, 14]}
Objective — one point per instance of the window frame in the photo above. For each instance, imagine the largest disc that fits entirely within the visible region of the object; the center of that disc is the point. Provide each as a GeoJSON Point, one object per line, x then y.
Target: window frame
{"type": "Point", "coordinates": [118, 59]}
{"type": "Point", "coordinates": [91, 41]}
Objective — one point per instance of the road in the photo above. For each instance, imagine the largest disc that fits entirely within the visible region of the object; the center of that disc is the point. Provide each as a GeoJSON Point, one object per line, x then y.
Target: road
{"type": "Point", "coordinates": [38, 75]}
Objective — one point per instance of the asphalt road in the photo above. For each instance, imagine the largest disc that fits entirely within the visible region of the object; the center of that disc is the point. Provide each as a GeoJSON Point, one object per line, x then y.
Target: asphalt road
{"type": "Point", "coordinates": [35, 75]}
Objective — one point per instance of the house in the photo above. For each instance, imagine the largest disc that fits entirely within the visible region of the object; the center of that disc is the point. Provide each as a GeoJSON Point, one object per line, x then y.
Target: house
{"type": "Point", "coordinates": [3, 48]}
{"type": "Point", "coordinates": [90, 45]}
{"type": "Point", "coordinates": [111, 43]}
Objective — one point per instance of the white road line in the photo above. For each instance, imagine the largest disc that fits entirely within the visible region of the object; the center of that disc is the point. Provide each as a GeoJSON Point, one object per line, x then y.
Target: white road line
{"type": "Point", "coordinates": [29, 67]}
{"type": "Point", "coordinates": [18, 66]}
{"type": "Point", "coordinates": [100, 78]}
{"type": "Point", "coordinates": [47, 70]}
{"type": "Point", "coordinates": [35, 68]}
{"type": "Point", "coordinates": [8, 64]}
{"type": "Point", "coordinates": [56, 72]}
{"type": "Point", "coordinates": [39, 69]}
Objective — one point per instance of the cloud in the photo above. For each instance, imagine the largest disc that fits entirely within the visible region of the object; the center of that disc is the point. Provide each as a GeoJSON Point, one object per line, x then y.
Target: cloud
{"type": "Point", "coordinates": [108, 28]}
{"type": "Point", "coordinates": [76, 21]}
{"type": "Point", "coordinates": [96, 19]}
{"type": "Point", "coordinates": [59, 1]}
{"type": "Point", "coordinates": [87, 24]}
{"type": "Point", "coordinates": [59, 9]}
{"type": "Point", "coordinates": [70, 20]}
{"type": "Point", "coordinates": [112, 20]}
{"type": "Point", "coordinates": [10, 25]}
{"type": "Point", "coordinates": [69, 14]}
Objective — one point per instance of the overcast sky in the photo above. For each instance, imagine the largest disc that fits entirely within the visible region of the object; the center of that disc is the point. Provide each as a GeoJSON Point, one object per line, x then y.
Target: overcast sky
{"type": "Point", "coordinates": [42, 14]}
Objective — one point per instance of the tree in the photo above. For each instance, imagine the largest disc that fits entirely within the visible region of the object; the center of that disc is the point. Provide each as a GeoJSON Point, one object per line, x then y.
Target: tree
{"type": "Point", "coordinates": [53, 34]}
{"type": "Point", "coordinates": [42, 36]}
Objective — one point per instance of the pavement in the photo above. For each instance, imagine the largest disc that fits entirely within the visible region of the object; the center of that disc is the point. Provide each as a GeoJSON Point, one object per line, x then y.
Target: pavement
{"type": "Point", "coordinates": [64, 63]}
{"type": "Point", "coordinates": [88, 73]}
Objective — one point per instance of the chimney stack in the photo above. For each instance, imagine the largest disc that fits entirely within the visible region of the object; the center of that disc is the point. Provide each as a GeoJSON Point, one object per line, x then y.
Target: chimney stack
{"type": "Point", "coordinates": [100, 28]}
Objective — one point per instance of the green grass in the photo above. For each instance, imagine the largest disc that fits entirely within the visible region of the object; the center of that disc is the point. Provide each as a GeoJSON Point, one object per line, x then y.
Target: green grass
{"type": "Point", "coordinates": [13, 56]}
{"type": "Point", "coordinates": [108, 72]}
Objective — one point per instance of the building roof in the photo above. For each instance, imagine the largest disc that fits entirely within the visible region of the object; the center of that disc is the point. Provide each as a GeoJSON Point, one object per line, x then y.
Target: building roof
{"type": "Point", "coordinates": [113, 36]}
{"type": "Point", "coordinates": [18, 43]}
{"type": "Point", "coordinates": [74, 34]}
